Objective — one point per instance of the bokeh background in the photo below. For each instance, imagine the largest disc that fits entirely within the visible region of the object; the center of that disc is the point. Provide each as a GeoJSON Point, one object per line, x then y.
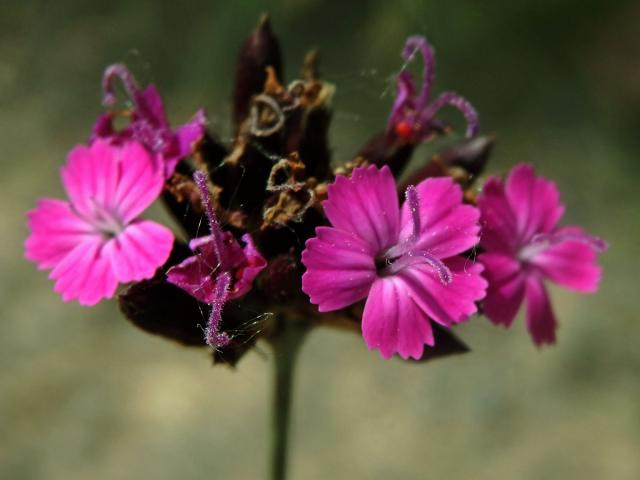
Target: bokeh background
{"type": "Point", "coordinates": [83, 394]}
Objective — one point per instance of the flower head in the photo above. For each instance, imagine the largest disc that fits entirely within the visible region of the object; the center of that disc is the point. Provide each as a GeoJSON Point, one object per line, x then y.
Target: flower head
{"type": "Point", "coordinates": [220, 270]}
{"type": "Point", "coordinates": [524, 246]}
{"type": "Point", "coordinates": [149, 124]}
{"type": "Point", "coordinates": [412, 116]}
{"type": "Point", "coordinates": [95, 241]}
{"type": "Point", "coordinates": [405, 261]}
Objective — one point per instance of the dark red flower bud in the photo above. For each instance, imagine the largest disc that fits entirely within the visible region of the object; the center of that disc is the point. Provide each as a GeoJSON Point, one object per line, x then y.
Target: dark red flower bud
{"type": "Point", "coordinates": [259, 51]}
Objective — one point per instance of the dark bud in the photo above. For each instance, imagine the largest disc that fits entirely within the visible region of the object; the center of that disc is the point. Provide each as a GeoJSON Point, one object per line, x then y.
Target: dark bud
{"type": "Point", "coordinates": [464, 162]}
{"type": "Point", "coordinates": [182, 199]}
{"type": "Point", "coordinates": [211, 152]}
{"type": "Point", "coordinates": [313, 145]}
{"type": "Point", "coordinates": [161, 308]}
{"type": "Point", "coordinates": [259, 51]}
{"type": "Point", "coordinates": [281, 279]}
{"type": "Point", "coordinates": [242, 178]}
{"type": "Point", "coordinates": [471, 155]}
{"type": "Point", "coordinates": [386, 148]}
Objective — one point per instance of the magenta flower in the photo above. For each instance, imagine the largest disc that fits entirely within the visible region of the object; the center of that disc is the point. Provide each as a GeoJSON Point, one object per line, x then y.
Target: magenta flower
{"type": "Point", "coordinates": [95, 241]}
{"type": "Point", "coordinates": [220, 270]}
{"type": "Point", "coordinates": [405, 261]}
{"type": "Point", "coordinates": [523, 246]}
{"type": "Point", "coordinates": [412, 116]}
{"type": "Point", "coordinates": [149, 124]}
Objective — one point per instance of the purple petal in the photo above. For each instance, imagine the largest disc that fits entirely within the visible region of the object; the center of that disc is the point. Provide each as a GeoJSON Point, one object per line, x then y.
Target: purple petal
{"type": "Point", "coordinates": [447, 227]}
{"type": "Point", "coordinates": [499, 226]}
{"type": "Point", "coordinates": [253, 264]}
{"type": "Point", "coordinates": [195, 276]}
{"type": "Point", "coordinates": [506, 287]}
{"type": "Point", "coordinates": [535, 202]}
{"type": "Point", "coordinates": [393, 323]}
{"type": "Point", "coordinates": [541, 321]}
{"type": "Point", "coordinates": [340, 268]}
{"type": "Point", "coordinates": [85, 274]}
{"type": "Point", "coordinates": [571, 263]}
{"type": "Point", "coordinates": [55, 231]}
{"type": "Point", "coordinates": [366, 205]}
{"type": "Point", "coordinates": [137, 252]}
{"type": "Point", "coordinates": [451, 303]}
{"type": "Point", "coordinates": [141, 180]}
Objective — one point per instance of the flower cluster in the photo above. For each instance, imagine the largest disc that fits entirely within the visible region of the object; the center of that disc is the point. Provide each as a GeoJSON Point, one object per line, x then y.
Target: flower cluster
{"type": "Point", "coordinates": [289, 236]}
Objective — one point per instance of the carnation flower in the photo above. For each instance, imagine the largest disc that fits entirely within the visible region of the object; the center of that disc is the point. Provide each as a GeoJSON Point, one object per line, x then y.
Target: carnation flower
{"type": "Point", "coordinates": [523, 246]}
{"type": "Point", "coordinates": [405, 261]}
{"type": "Point", "coordinates": [412, 116]}
{"type": "Point", "coordinates": [95, 241]}
{"type": "Point", "coordinates": [220, 270]}
{"type": "Point", "coordinates": [149, 124]}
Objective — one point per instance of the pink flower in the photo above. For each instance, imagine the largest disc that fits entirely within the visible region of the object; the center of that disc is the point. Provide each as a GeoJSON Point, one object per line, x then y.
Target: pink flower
{"type": "Point", "coordinates": [404, 261]}
{"type": "Point", "coordinates": [412, 116]}
{"type": "Point", "coordinates": [95, 241]}
{"type": "Point", "coordinates": [523, 246]}
{"type": "Point", "coordinates": [221, 269]}
{"type": "Point", "coordinates": [149, 124]}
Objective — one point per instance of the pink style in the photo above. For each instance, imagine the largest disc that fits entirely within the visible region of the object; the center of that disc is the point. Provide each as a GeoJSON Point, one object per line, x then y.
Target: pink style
{"type": "Point", "coordinates": [95, 240]}
{"type": "Point", "coordinates": [523, 246]}
{"type": "Point", "coordinates": [405, 261]}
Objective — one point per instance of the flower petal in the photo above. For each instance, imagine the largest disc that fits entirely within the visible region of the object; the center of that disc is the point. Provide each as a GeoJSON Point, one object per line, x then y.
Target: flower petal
{"type": "Point", "coordinates": [499, 226]}
{"type": "Point", "coordinates": [85, 273]}
{"type": "Point", "coordinates": [393, 323]}
{"type": "Point", "coordinates": [451, 303]}
{"type": "Point", "coordinates": [55, 231]}
{"type": "Point", "coordinates": [137, 252]}
{"type": "Point", "coordinates": [340, 268]}
{"type": "Point", "coordinates": [195, 276]}
{"type": "Point", "coordinates": [187, 136]}
{"type": "Point", "coordinates": [571, 264]}
{"type": "Point", "coordinates": [535, 201]}
{"type": "Point", "coordinates": [141, 180]}
{"type": "Point", "coordinates": [447, 226]}
{"type": "Point", "coordinates": [506, 287]}
{"type": "Point", "coordinates": [541, 321]}
{"type": "Point", "coordinates": [90, 176]}
{"type": "Point", "coordinates": [252, 265]}
{"type": "Point", "coordinates": [366, 204]}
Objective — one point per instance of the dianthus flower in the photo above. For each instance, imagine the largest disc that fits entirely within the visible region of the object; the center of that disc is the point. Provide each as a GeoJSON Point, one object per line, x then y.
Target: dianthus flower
{"type": "Point", "coordinates": [406, 262]}
{"type": "Point", "coordinates": [523, 246]}
{"type": "Point", "coordinates": [412, 116]}
{"type": "Point", "coordinates": [95, 241]}
{"type": "Point", "coordinates": [149, 124]}
{"type": "Point", "coordinates": [220, 270]}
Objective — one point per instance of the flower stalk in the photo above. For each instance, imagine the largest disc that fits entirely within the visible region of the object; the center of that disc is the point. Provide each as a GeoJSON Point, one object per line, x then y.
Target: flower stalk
{"type": "Point", "coordinates": [286, 344]}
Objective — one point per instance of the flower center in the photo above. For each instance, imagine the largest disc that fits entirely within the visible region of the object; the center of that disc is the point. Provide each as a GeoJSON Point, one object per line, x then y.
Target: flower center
{"type": "Point", "coordinates": [403, 255]}
{"type": "Point", "coordinates": [107, 222]}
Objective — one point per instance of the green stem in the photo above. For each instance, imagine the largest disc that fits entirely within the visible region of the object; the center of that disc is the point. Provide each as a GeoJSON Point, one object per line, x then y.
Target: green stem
{"type": "Point", "coordinates": [286, 345]}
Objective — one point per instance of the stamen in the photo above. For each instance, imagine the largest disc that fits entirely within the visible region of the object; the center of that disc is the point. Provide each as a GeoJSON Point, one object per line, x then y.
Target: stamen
{"type": "Point", "coordinates": [596, 243]}
{"type": "Point", "coordinates": [455, 100]}
{"type": "Point", "coordinates": [411, 47]}
{"type": "Point", "coordinates": [216, 232]}
{"type": "Point", "coordinates": [413, 256]}
{"type": "Point", "coordinates": [214, 337]}
{"type": "Point", "coordinates": [128, 81]}
{"type": "Point", "coordinates": [413, 203]}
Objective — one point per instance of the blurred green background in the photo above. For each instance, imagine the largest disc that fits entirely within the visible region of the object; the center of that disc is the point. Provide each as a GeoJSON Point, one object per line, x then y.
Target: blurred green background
{"type": "Point", "coordinates": [83, 394]}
